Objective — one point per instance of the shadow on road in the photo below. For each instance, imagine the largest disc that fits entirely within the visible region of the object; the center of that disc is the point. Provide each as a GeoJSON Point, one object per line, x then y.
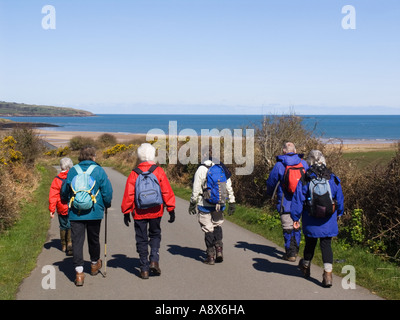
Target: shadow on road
{"type": "Point", "coordinates": [259, 248]}
{"type": "Point", "coordinates": [54, 243]}
{"type": "Point", "coordinates": [127, 263]}
{"type": "Point", "coordinates": [66, 267]}
{"type": "Point", "coordinates": [264, 265]}
{"type": "Point", "coordinates": [194, 253]}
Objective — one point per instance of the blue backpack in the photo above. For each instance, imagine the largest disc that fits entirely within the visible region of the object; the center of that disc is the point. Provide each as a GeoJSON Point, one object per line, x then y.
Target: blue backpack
{"type": "Point", "coordinates": [82, 185]}
{"type": "Point", "coordinates": [215, 191]}
{"type": "Point", "coordinates": [147, 189]}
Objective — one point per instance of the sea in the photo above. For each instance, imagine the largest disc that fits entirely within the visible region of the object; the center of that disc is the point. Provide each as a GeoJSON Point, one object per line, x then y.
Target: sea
{"type": "Point", "coordinates": [346, 128]}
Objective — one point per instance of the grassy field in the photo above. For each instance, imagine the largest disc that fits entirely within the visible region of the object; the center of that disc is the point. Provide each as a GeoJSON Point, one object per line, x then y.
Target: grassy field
{"type": "Point", "coordinates": [370, 158]}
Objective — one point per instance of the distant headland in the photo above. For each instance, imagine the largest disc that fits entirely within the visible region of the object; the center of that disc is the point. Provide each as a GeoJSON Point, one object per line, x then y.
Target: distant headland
{"type": "Point", "coordinates": [13, 109]}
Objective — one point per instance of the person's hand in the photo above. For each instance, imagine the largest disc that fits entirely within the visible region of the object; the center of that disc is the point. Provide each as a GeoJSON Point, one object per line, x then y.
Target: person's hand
{"type": "Point", "coordinates": [171, 216]}
{"type": "Point", "coordinates": [127, 219]}
{"type": "Point", "coordinates": [296, 225]}
{"type": "Point", "coordinates": [231, 209]}
{"type": "Point", "coordinates": [193, 208]}
{"type": "Point", "coordinates": [52, 214]}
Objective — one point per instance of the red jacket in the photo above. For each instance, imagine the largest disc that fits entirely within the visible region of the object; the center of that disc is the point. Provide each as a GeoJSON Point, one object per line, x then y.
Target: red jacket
{"type": "Point", "coordinates": [54, 195]}
{"type": "Point", "coordinates": [128, 202]}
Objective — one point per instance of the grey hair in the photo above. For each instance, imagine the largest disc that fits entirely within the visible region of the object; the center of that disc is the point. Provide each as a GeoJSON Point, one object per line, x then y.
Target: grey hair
{"type": "Point", "coordinates": [66, 164]}
{"type": "Point", "coordinates": [315, 157]}
{"type": "Point", "coordinates": [289, 147]}
{"type": "Point", "coordinates": [146, 152]}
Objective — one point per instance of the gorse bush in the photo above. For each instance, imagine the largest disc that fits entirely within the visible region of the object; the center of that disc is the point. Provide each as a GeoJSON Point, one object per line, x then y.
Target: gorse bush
{"type": "Point", "coordinates": [18, 153]}
{"type": "Point", "coordinates": [29, 144]}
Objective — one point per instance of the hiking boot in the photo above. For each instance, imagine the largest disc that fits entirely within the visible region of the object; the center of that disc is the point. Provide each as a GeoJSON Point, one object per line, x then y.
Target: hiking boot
{"type": "Point", "coordinates": [210, 260]}
{"type": "Point", "coordinates": [94, 270]}
{"type": "Point", "coordinates": [69, 251]}
{"type": "Point", "coordinates": [63, 234]}
{"type": "Point", "coordinates": [219, 254]}
{"type": "Point", "coordinates": [69, 243]}
{"type": "Point", "coordinates": [289, 258]}
{"type": "Point", "coordinates": [155, 268]}
{"type": "Point", "coordinates": [80, 278]}
{"type": "Point", "coordinates": [144, 274]}
{"type": "Point", "coordinates": [304, 269]}
{"type": "Point", "coordinates": [327, 279]}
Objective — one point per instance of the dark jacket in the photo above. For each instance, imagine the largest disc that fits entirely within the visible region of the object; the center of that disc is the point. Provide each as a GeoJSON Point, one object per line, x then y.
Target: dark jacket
{"type": "Point", "coordinates": [276, 176]}
{"type": "Point", "coordinates": [103, 199]}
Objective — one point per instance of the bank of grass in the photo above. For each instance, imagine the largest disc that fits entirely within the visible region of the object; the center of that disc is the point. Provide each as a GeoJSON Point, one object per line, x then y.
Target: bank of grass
{"type": "Point", "coordinates": [21, 244]}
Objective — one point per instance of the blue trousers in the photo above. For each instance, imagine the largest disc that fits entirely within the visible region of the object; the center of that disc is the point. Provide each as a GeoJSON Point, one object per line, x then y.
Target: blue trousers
{"type": "Point", "coordinates": [148, 233]}
{"type": "Point", "coordinates": [291, 236]}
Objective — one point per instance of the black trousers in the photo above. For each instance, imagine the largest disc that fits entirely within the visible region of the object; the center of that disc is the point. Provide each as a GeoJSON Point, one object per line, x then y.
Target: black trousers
{"type": "Point", "coordinates": [148, 233]}
{"type": "Point", "coordinates": [78, 230]}
{"type": "Point", "coordinates": [325, 245]}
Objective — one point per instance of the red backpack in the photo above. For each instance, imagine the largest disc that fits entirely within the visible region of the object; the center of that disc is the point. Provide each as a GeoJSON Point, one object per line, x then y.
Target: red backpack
{"type": "Point", "coordinates": [292, 176]}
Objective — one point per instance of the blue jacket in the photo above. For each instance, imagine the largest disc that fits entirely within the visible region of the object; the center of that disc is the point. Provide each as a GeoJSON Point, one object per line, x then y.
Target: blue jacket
{"type": "Point", "coordinates": [317, 227]}
{"type": "Point", "coordinates": [103, 199]}
{"type": "Point", "coordinates": [276, 176]}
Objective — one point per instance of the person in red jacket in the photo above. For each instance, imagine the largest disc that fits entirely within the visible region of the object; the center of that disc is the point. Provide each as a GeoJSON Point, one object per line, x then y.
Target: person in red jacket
{"type": "Point", "coordinates": [147, 221]}
{"type": "Point", "coordinates": [55, 203]}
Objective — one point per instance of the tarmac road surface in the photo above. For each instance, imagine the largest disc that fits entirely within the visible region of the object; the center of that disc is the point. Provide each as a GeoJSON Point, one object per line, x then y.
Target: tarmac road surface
{"type": "Point", "coordinates": [252, 268]}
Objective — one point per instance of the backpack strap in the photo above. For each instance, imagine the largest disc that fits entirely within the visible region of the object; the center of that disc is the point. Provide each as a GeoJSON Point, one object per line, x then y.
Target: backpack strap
{"type": "Point", "coordinates": [90, 169]}
{"type": "Point", "coordinates": [151, 169]}
{"type": "Point", "coordinates": [57, 177]}
{"type": "Point", "coordinates": [78, 169]}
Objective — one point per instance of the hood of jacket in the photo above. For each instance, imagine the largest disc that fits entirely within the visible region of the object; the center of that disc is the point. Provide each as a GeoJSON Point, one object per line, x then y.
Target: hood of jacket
{"type": "Point", "coordinates": [63, 174]}
{"type": "Point", "coordinates": [289, 159]}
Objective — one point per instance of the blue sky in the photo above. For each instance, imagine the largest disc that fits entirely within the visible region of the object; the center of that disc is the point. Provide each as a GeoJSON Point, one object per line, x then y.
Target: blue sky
{"type": "Point", "coordinates": [198, 56]}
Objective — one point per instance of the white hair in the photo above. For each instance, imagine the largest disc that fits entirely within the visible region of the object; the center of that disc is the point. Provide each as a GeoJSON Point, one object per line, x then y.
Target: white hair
{"type": "Point", "coordinates": [66, 164]}
{"type": "Point", "coordinates": [289, 147]}
{"type": "Point", "coordinates": [146, 152]}
{"type": "Point", "coordinates": [315, 157]}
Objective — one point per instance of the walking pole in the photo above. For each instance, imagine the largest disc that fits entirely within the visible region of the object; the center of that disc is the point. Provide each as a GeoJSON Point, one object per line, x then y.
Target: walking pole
{"type": "Point", "coordinates": [105, 245]}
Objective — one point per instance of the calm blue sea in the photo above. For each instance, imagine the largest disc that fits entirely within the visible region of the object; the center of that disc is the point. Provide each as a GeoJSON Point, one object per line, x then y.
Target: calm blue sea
{"type": "Point", "coordinates": [346, 127]}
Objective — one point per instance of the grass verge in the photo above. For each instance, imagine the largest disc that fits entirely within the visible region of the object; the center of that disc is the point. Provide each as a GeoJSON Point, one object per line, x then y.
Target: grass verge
{"type": "Point", "coordinates": [21, 245]}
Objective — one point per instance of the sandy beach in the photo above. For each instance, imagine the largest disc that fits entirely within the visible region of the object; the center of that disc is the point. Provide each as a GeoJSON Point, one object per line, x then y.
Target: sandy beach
{"type": "Point", "coordinates": [61, 139]}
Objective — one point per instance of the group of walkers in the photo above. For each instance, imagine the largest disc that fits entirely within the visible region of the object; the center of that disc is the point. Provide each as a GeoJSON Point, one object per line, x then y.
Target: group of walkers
{"type": "Point", "coordinates": [82, 193]}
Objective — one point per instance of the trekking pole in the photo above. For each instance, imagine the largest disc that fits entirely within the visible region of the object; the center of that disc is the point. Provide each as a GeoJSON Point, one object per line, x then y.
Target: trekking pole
{"type": "Point", "coordinates": [105, 245]}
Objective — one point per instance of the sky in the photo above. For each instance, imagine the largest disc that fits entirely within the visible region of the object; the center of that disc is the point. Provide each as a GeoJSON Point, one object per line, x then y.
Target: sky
{"type": "Point", "coordinates": [199, 56]}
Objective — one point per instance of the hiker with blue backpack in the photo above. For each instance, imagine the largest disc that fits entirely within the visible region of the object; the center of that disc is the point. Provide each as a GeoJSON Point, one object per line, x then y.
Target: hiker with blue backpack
{"type": "Point", "coordinates": [88, 191]}
{"type": "Point", "coordinates": [212, 188]}
{"type": "Point", "coordinates": [282, 180]}
{"type": "Point", "coordinates": [147, 193]}
{"type": "Point", "coordinates": [318, 200]}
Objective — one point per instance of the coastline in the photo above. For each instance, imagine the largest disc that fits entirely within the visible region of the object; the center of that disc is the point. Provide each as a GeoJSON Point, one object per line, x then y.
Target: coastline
{"type": "Point", "coordinates": [61, 139]}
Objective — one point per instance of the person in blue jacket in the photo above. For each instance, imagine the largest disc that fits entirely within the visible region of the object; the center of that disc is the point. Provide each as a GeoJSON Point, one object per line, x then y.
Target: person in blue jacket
{"type": "Point", "coordinates": [314, 228]}
{"type": "Point", "coordinates": [89, 220]}
{"type": "Point", "coordinates": [275, 183]}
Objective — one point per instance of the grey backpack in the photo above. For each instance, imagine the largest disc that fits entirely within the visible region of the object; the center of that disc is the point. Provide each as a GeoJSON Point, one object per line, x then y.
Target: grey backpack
{"type": "Point", "coordinates": [147, 189]}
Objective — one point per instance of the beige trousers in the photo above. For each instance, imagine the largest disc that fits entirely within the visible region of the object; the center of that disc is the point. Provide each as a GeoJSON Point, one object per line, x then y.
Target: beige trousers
{"type": "Point", "coordinates": [208, 221]}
